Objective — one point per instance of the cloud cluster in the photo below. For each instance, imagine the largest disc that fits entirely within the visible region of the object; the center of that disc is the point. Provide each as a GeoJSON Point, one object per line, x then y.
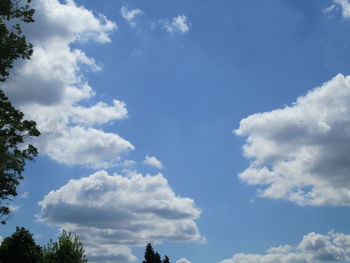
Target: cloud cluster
{"type": "Point", "coordinates": [153, 162]}
{"type": "Point", "coordinates": [300, 152]}
{"type": "Point", "coordinates": [50, 87]}
{"type": "Point", "coordinates": [332, 247]}
{"type": "Point", "coordinates": [178, 24]}
{"type": "Point", "coordinates": [111, 211]}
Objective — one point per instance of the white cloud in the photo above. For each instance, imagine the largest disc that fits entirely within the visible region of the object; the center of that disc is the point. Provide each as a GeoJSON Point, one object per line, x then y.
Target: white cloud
{"type": "Point", "coordinates": [329, 9]}
{"type": "Point", "coordinates": [153, 161]}
{"type": "Point", "coordinates": [109, 254]}
{"type": "Point", "coordinates": [130, 15]}
{"type": "Point", "coordinates": [50, 87]}
{"type": "Point", "coordinates": [114, 210]}
{"type": "Point", "coordinates": [85, 146]}
{"type": "Point", "coordinates": [14, 208]}
{"type": "Point", "coordinates": [332, 247]}
{"type": "Point", "coordinates": [100, 113]}
{"type": "Point", "coordinates": [300, 152]}
{"type": "Point", "coordinates": [280, 249]}
{"type": "Point", "coordinates": [344, 5]}
{"type": "Point", "coordinates": [183, 260]}
{"type": "Point", "coordinates": [24, 195]}
{"type": "Point", "coordinates": [177, 24]}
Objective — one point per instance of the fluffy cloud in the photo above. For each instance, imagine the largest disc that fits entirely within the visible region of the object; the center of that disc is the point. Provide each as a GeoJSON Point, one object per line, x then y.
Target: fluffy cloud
{"type": "Point", "coordinates": [153, 161]}
{"type": "Point", "coordinates": [109, 211]}
{"type": "Point", "coordinates": [300, 152]}
{"type": "Point", "coordinates": [177, 24]}
{"type": "Point", "coordinates": [91, 147]}
{"type": "Point", "coordinates": [344, 5]}
{"type": "Point", "coordinates": [130, 15]}
{"type": "Point", "coordinates": [183, 260]}
{"type": "Point", "coordinates": [333, 247]}
{"type": "Point", "coordinates": [109, 254]}
{"type": "Point", "coordinates": [50, 87]}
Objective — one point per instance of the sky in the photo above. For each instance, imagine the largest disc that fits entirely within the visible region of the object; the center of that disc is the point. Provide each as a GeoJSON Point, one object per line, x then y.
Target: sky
{"type": "Point", "coordinates": [218, 131]}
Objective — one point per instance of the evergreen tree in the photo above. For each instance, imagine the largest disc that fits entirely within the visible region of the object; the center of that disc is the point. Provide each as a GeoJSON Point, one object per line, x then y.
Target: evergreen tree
{"type": "Point", "coordinates": [166, 259]}
{"type": "Point", "coordinates": [149, 254]}
{"type": "Point", "coordinates": [20, 247]}
{"type": "Point", "coordinates": [152, 256]}
{"type": "Point", "coordinates": [157, 258]}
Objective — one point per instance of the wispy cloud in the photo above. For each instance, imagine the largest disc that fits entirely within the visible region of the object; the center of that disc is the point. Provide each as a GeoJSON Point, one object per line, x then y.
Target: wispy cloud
{"type": "Point", "coordinates": [130, 15]}
{"type": "Point", "coordinates": [178, 24]}
{"type": "Point", "coordinates": [153, 161]}
{"type": "Point", "coordinates": [24, 195]}
{"type": "Point", "coordinates": [14, 208]}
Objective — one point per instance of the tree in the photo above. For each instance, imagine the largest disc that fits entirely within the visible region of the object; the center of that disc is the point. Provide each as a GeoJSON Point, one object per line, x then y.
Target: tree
{"type": "Point", "coordinates": [149, 254]}
{"type": "Point", "coordinates": [13, 129]}
{"type": "Point", "coordinates": [20, 247]}
{"type": "Point", "coordinates": [166, 259]}
{"type": "Point", "coordinates": [153, 257]}
{"type": "Point", "coordinates": [68, 249]}
{"type": "Point", "coordinates": [157, 258]}
{"type": "Point", "coordinates": [12, 42]}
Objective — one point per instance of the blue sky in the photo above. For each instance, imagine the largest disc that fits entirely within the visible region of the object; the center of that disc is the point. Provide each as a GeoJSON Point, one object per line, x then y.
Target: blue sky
{"type": "Point", "coordinates": [217, 130]}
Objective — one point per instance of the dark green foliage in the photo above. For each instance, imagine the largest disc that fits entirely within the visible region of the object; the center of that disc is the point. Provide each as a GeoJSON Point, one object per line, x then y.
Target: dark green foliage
{"type": "Point", "coordinates": [149, 254]}
{"type": "Point", "coordinates": [153, 257]}
{"type": "Point", "coordinates": [13, 44]}
{"type": "Point", "coordinates": [13, 131]}
{"type": "Point", "coordinates": [20, 247]}
{"type": "Point", "coordinates": [68, 249]}
{"type": "Point", "coordinates": [157, 258]}
{"type": "Point", "coordinates": [166, 259]}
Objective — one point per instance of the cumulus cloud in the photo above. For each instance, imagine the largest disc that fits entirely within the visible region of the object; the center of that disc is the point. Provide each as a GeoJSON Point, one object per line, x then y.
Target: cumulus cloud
{"type": "Point", "coordinates": [332, 247]}
{"type": "Point", "coordinates": [85, 146]}
{"type": "Point", "coordinates": [153, 161]}
{"type": "Point", "coordinates": [130, 15]}
{"type": "Point", "coordinates": [109, 254]}
{"type": "Point", "coordinates": [183, 260]}
{"type": "Point", "coordinates": [50, 87]}
{"type": "Point", "coordinates": [300, 152]}
{"type": "Point", "coordinates": [178, 24]}
{"type": "Point", "coordinates": [109, 211]}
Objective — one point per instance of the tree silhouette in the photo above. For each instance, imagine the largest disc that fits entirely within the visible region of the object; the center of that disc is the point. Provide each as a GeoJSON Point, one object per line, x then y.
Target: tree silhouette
{"type": "Point", "coordinates": [157, 258]}
{"type": "Point", "coordinates": [166, 259]}
{"type": "Point", "coordinates": [13, 129]}
{"type": "Point", "coordinates": [153, 257]}
{"type": "Point", "coordinates": [20, 247]}
{"type": "Point", "coordinates": [149, 254]}
{"type": "Point", "coordinates": [13, 42]}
